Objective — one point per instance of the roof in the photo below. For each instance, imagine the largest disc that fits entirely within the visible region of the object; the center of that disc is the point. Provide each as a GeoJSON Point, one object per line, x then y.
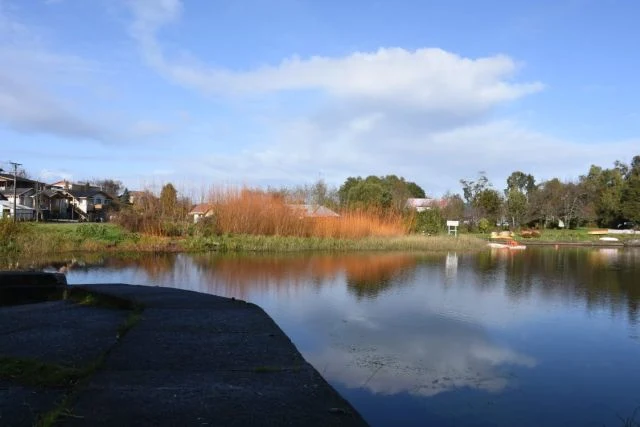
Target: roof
{"type": "Point", "coordinates": [19, 191]}
{"type": "Point", "coordinates": [9, 177]}
{"type": "Point", "coordinates": [49, 193]}
{"type": "Point", "coordinates": [81, 194]}
{"type": "Point", "coordinates": [201, 209]}
{"type": "Point", "coordinates": [420, 203]}
{"type": "Point", "coordinates": [9, 205]}
{"type": "Point", "coordinates": [315, 211]}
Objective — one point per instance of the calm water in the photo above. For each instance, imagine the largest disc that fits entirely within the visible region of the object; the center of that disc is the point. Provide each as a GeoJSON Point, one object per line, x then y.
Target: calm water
{"type": "Point", "coordinates": [541, 337]}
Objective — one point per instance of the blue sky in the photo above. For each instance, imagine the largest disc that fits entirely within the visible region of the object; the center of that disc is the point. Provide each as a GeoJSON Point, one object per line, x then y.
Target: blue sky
{"type": "Point", "coordinates": [283, 92]}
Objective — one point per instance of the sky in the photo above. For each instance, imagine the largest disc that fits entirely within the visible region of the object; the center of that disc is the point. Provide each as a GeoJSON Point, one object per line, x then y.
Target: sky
{"type": "Point", "coordinates": [207, 93]}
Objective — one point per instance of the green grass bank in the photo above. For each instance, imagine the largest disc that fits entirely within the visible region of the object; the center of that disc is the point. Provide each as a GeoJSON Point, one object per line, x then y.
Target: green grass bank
{"type": "Point", "coordinates": [30, 239]}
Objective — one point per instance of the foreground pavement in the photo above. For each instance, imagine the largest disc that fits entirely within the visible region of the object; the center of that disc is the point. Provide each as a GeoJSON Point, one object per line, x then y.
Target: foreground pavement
{"type": "Point", "coordinates": [148, 356]}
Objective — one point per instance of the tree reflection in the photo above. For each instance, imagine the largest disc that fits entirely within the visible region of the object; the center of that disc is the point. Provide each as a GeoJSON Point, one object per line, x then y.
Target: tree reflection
{"type": "Point", "coordinates": [365, 275]}
{"type": "Point", "coordinates": [603, 278]}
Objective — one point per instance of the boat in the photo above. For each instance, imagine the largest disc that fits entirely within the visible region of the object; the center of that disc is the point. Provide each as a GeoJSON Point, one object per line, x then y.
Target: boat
{"type": "Point", "coordinates": [507, 243]}
{"type": "Point", "coordinates": [609, 239]}
{"type": "Point", "coordinates": [599, 231]}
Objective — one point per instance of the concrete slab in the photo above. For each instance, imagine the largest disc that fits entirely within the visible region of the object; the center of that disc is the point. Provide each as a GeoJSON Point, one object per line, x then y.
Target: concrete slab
{"type": "Point", "coordinates": [20, 406]}
{"type": "Point", "coordinates": [58, 332]}
{"type": "Point", "coordinates": [149, 398]}
{"type": "Point", "coordinates": [192, 359]}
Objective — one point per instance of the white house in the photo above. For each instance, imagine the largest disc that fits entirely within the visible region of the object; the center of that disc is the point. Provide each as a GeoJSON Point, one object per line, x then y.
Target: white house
{"type": "Point", "coordinates": [85, 204]}
{"type": "Point", "coordinates": [24, 196]}
{"type": "Point", "coordinates": [200, 211]}
{"type": "Point", "coordinates": [24, 213]}
{"type": "Point", "coordinates": [420, 205]}
{"type": "Point", "coordinates": [313, 211]}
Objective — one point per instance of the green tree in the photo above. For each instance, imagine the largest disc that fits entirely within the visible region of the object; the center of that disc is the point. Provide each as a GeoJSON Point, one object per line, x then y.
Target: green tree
{"type": "Point", "coordinates": [516, 206]}
{"type": "Point", "coordinates": [471, 189]}
{"type": "Point", "coordinates": [343, 191]}
{"type": "Point", "coordinates": [488, 202]}
{"type": "Point", "coordinates": [554, 201]}
{"type": "Point", "coordinates": [520, 181]}
{"type": "Point", "coordinates": [483, 200]}
{"type": "Point", "coordinates": [630, 197]}
{"type": "Point", "coordinates": [415, 190]}
{"type": "Point", "coordinates": [603, 189]}
{"type": "Point", "coordinates": [168, 200]}
{"type": "Point", "coordinates": [453, 208]}
{"type": "Point", "coordinates": [393, 191]}
{"type": "Point", "coordinates": [369, 195]}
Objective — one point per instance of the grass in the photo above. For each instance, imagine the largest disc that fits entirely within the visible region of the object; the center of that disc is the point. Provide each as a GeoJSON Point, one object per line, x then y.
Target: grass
{"type": "Point", "coordinates": [251, 243]}
{"type": "Point", "coordinates": [576, 236]}
{"type": "Point", "coordinates": [579, 235]}
{"type": "Point", "coordinates": [34, 239]}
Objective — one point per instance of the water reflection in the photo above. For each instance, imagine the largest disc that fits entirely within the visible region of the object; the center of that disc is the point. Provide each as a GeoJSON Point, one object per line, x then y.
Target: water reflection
{"type": "Point", "coordinates": [423, 353]}
{"type": "Point", "coordinates": [529, 326]}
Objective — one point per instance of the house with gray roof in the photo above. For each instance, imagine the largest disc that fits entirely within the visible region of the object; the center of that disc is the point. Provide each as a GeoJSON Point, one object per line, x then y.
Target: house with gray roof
{"type": "Point", "coordinates": [313, 211]}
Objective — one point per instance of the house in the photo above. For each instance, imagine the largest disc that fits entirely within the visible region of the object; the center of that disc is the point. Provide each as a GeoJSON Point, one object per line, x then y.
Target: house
{"type": "Point", "coordinates": [200, 211]}
{"type": "Point", "coordinates": [7, 180]}
{"type": "Point", "coordinates": [81, 204]}
{"type": "Point", "coordinates": [135, 196]}
{"type": "Point", "coordinates": [23, 213]}
{"type": "Point", "coordinates": [88, 204]}
{"type": "Point", "coordinates": [68, 185]}
{"type": "Point", "coordinates": [313, 211]}
{"type": "Point", "coordinates": [425, 204]}
{"type": "Point", "coordinates": [421, 204]}
{"type": "Point", "coordinates": [24, 196]}
{"type": "Point", "coordinates": [29, 194]}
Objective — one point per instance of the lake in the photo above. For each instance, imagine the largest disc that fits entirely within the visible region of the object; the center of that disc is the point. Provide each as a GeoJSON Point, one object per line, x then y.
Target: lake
{"type": "Point", "coordinates": [541, 337]}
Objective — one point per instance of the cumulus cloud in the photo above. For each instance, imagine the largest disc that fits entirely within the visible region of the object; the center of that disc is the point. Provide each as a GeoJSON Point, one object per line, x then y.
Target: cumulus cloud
{"type": "Point", "coordinates": [429, 79]}
{"type": "Point", "coordinates": [38, 90]}
{"type": "Point", "coordinates": [427, 114]}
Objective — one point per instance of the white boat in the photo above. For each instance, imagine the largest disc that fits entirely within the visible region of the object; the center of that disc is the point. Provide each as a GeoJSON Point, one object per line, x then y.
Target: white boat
{"type": "Point", "coordinates": [609, 239]}
{"type": "Point", "coordinates": [495, 245]}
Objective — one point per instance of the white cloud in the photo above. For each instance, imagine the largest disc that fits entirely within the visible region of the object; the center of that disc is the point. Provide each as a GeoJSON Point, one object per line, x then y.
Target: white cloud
{"type": "Point", "coordinates": [427, 79]}
{"type": "Point", "coordinates": [426, 114]}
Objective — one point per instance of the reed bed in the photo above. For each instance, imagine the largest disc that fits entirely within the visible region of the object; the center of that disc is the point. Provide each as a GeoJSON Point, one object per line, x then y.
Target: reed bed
{"type": "Point", "coordinates": [255, 212]}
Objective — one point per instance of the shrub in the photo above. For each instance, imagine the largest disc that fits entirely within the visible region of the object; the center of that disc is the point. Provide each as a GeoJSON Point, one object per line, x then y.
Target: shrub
{"type": "Point", "coordinates": [102, 232]}
{"type": "Point", "coordinates": [9, 231]}
{"type": "Point", "coordinates": [484, 225]}
{"type": "Point", "coordinates": [429, 222]}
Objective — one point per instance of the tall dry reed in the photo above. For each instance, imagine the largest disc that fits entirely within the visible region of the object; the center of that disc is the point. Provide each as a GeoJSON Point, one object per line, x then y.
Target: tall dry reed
{"type": "Point", "coordinates": [255, 212]}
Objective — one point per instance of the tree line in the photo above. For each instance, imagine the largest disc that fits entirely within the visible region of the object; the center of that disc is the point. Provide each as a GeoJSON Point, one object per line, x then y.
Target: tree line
{"type": "Point", "coordinates": [603, 197]}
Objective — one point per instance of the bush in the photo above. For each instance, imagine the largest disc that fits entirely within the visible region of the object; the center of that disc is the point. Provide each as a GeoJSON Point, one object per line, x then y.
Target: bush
{"type": "Point", "coordinates": [484, 225]}
{"type": "Point", "coordinates": [429, 222]}
{"type": "Point", "coordinates": [103, 232]}
{"type": "Point", "coordinates": [9, 231]}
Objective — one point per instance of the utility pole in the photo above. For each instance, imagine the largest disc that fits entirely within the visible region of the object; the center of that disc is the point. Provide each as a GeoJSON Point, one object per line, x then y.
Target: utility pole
{"type": "Point", "coordinates": [15, 179]}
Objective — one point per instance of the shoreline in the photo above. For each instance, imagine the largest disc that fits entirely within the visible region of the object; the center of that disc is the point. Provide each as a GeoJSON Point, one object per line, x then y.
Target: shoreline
{"type": "Point", "coordinates": [153, 356]}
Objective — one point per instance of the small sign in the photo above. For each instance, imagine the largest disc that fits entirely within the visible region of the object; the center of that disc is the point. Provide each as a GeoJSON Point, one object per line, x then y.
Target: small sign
{"type": "Point", "coordinates": [453, 223]}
